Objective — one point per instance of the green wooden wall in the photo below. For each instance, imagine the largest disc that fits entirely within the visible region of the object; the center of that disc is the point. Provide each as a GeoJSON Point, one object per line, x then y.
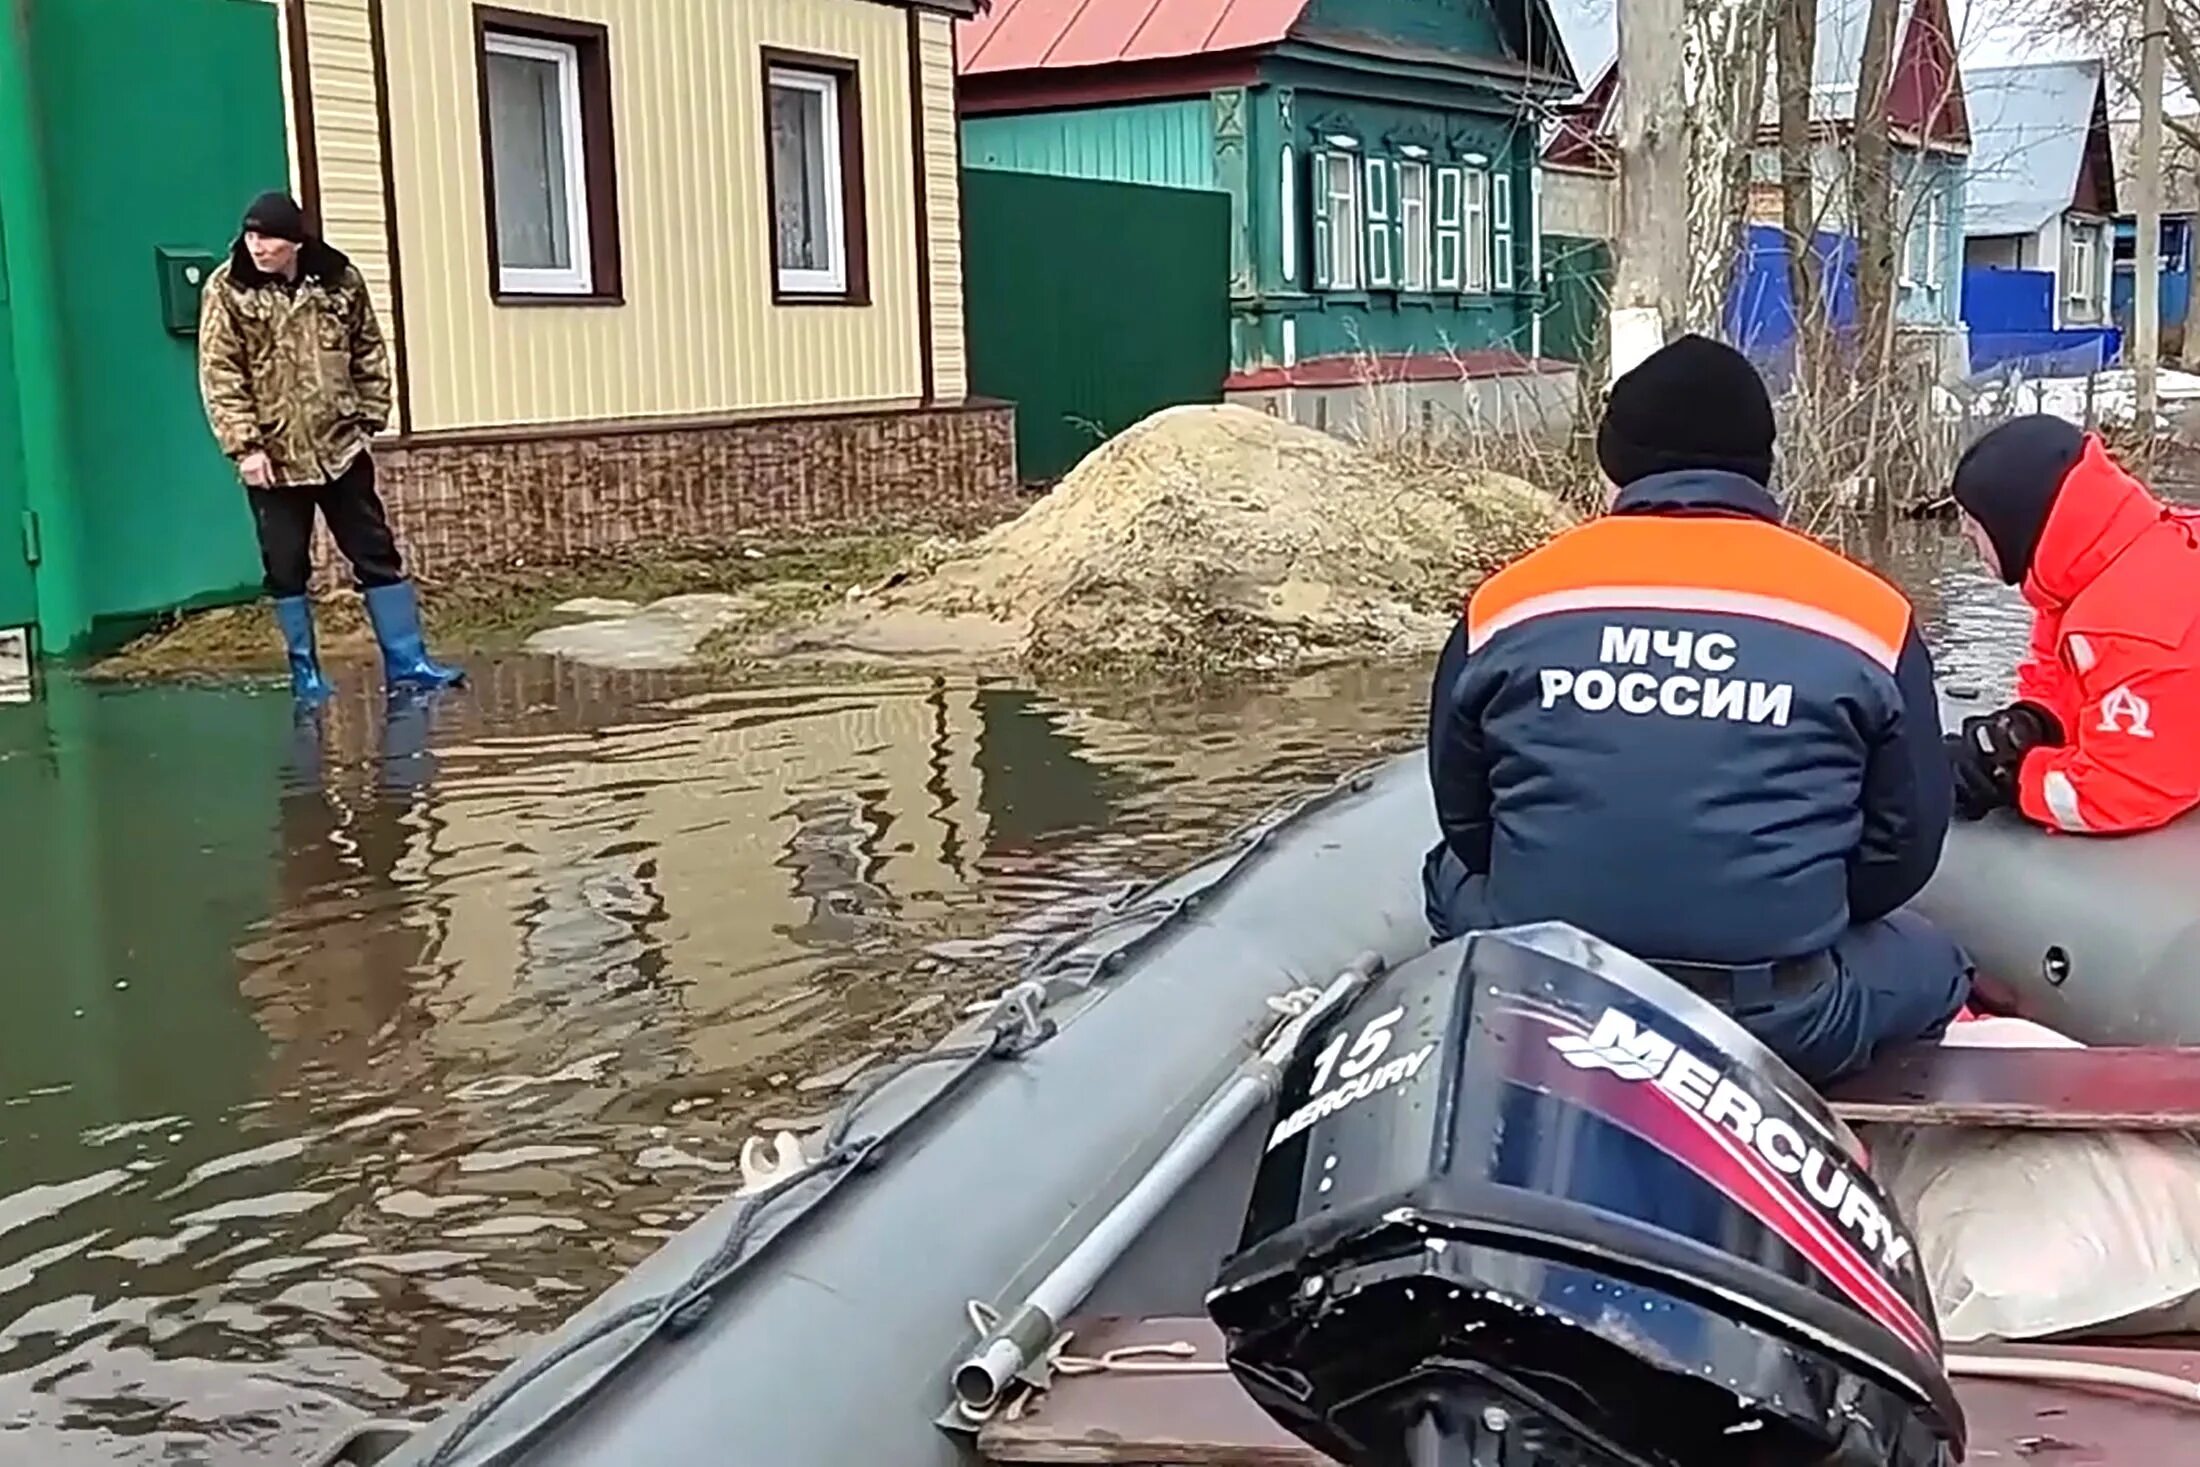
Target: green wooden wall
{"type": "Point", "coordinates": [1292, 127]}
{"type": "Point", "coordinates": [1123, 312]}
{"type": "Point", "coordinates": [1167, 143]}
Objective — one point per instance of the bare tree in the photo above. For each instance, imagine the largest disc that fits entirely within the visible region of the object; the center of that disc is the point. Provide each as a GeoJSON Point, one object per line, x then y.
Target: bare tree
{"type": "Point", "coordinates": [1795, 30]}
{"type": "Point", "coordinates": [1872, 189]}
{"type": "Point", "coordinates": [1725, 63]}
{"type": "Point", "coordinates": [1692, 84]}
{"type": "Point", "coordinates": [2115, 29]}
{"type": "Point", "coordinates": [1650, 279]}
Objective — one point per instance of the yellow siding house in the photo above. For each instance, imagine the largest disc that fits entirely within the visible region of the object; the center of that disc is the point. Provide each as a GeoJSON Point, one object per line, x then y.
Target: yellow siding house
{"type": "Point", "coordinates": [654, 270]}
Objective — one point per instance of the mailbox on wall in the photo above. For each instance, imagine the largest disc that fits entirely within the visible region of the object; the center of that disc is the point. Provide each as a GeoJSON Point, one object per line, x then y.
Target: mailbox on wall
{"type": "Point", "coordinates": [182, 277]}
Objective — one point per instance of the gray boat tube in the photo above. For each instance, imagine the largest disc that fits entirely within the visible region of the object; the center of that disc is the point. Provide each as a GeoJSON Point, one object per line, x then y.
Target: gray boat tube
{"type": "Point", "coordinates": [842, 1307]}
{"type": "Point", "coordinates": [2095, 936]}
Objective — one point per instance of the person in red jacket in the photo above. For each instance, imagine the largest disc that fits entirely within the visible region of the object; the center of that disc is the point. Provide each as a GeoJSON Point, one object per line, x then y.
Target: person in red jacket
{"type": "Point", "coordinates": [2104, 737]}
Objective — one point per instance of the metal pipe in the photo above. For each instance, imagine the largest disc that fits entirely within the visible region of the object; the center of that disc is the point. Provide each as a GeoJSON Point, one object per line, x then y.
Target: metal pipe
{"type": "Point", "coordinates": [1025, 1333]}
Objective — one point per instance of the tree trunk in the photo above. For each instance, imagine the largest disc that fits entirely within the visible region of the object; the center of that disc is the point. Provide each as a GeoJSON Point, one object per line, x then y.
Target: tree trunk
{"type": "Point", "coordinates": [1796, 48]}
{"type": "Point", "coordinates": [1650, 277]}
{"type": "Point", "coordinates": [1871, 221]}
{"type": "Point", "coordinates": [1724, 67]}
{"type": "Point", "coordinates": [1872, 193]}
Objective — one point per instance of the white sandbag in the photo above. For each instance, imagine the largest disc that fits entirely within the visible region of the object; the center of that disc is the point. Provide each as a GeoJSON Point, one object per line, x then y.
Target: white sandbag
{"type": "Point", "coordinates": [2028, 1234]}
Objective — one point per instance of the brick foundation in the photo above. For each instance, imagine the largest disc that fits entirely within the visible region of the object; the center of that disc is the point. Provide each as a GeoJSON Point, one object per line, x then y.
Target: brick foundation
{"type": "Point", "coordinates": [514, 500]}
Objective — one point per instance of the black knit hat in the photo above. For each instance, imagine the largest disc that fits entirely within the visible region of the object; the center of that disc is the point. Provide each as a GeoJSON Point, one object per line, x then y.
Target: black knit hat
{"type": "Point", "coordinates": [276, 215]}
{"type": "Point", "coordinates": [1693, 404]}
{"type": "Point", "coordinates": [2008, 481]}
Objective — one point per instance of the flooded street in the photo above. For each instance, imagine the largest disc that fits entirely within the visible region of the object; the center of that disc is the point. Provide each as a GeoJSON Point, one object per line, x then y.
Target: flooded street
{"type": "Point", "coordinates": [336, 1068]}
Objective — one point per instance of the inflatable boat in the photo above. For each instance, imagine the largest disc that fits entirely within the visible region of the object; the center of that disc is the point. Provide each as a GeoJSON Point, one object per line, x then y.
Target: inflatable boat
{"type": "Point", "coordinates": [2096, 937]}
{"type": "Point", "coordinates": [1494, 1222]}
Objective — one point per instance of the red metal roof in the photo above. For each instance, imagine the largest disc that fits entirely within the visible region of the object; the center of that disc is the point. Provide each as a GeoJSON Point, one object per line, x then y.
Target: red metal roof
{"type": "Point", "coordinates": [1034, 35]}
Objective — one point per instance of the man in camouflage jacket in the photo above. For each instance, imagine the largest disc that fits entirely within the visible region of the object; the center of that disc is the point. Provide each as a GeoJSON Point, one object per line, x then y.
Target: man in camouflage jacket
{"type": "Point", "coordinates": [296, 380]}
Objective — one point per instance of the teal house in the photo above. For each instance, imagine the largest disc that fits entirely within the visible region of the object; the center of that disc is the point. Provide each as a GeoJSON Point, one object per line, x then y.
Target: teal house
{"type": "Point", "coordinates": [1380, 158]}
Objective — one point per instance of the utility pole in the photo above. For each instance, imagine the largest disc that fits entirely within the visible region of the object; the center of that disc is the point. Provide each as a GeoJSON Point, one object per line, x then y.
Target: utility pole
{"type": "Point", "coordinates": [2146, 295]}
{"type": "Point", "coordinates": [1650, 283]}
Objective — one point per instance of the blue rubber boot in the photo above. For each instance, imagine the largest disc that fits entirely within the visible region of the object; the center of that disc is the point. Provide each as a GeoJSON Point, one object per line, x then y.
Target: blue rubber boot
{"type": "Point", "coordinates": [395, 612]}
{"type": "Point", "coordinates": [294, 614]}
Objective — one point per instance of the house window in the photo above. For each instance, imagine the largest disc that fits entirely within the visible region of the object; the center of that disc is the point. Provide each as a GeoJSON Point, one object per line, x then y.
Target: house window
{"type": "Point", "coordinates": [2082, 272]}
{"type": "Point", "coordinates": [1413, 265]}
{"type": "Point", "coordinates": [1288, 210]}
{"type": "Point", "coordinates": [545, 89]}
{"type": "Point", "coordinates": [1501, 231]}
{"type": "Point", "coordinates": [1475, 222]}
{"type": "Point", "coordinates": [1450, 241]}
{"type": "Point", "coordinates": [1380, 239]}
{"type": "Point", "coordinates": [1338, 238]}
{"type": "Point", "coordinates": [1921, 245]}
{"type": "Point", "coordinates": [813, 179]}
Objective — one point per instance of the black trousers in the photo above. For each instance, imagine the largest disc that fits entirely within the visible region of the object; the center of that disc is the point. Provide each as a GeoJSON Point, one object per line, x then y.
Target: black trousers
{"type": "Point", "coordinates": [284, 519]}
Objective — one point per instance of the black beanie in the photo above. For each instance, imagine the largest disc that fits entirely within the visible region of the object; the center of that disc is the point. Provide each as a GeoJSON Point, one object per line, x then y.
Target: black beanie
{"type": "Point", "coordinates": [2008, 481]}
{"type": "Point", "coordinates": [1694, 404]}
{"type": "Point", "coordinates": [276, 215]}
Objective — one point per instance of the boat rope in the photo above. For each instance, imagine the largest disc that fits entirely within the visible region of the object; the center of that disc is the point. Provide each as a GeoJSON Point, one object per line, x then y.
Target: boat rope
{"type": "Point", "coordinates": [2065, 1370]}
{"type": "Point", "coordinates": [1018, 1028]}
{"type": "Point", "coordinates": [1155, 1357]}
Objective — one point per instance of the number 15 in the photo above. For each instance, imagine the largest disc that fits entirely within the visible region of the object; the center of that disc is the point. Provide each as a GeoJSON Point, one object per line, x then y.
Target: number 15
{"type": "Point", "coordinates": [1368, 1049]}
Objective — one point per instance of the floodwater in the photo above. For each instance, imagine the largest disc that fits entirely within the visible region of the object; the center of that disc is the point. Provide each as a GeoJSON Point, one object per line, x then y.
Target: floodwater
{"type": "Point", "coordinates": [335, 1068]}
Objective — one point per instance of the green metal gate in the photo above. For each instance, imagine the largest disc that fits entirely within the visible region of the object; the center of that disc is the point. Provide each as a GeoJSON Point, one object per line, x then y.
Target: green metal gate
{"type": "Point", "coordinates": [18, 533]}
{"type": "Point", "coordinates": [1090, 305]}
{"type": "Point", "coordinates": [1579, 272]}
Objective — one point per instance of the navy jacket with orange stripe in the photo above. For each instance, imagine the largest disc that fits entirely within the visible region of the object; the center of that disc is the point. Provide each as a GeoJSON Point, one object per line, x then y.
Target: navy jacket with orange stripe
{"type": "Point", "coordinates": [1691, 731]}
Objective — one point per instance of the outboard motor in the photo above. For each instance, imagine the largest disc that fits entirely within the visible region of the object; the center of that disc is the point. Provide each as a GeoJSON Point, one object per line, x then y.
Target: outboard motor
{"type": "Point", "coordinates": [1531, 1203]}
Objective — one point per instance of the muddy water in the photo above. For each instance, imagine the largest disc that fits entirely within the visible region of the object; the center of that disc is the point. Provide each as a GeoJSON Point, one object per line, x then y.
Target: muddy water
{"type": "Point", "coordinates": [336, 1067]}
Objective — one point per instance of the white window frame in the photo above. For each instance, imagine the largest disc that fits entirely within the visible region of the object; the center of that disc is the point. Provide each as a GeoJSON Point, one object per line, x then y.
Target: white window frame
{"type": "Point", "coordinates": [1921, 254]}
{"type": "Point", "coordinates": [1936, 225]}
{"type": "Point", "coordinates": [2082, 288]}
{"type": "Point", "coordinates": [1288, 210]}
{"type": "Point", "coordinates": [1416, 259]}
{"type": "Point", "coordinates": [579, 278]}
{"type": "Point", "coordinates": [1451, 192]}
{"type": "Point", "coordinates": [833, 279]}
{"type": "Point", "coordinates": [1382, 239]}
{"type": "Point", "coordinates": [1501, 231]}
{"type": "Point", "coordinates": [1474, 223]}
{"type": "Point", "coordinates": [1347, 232]}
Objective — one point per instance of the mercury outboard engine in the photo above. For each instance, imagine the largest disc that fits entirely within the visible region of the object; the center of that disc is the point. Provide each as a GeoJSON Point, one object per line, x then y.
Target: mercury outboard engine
{"type": "Point", "coordinates": [1531, 1203]}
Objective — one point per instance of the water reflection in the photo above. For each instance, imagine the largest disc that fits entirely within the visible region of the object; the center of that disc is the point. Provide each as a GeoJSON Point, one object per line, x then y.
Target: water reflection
{"type": "Point", "coordinates": [343, 1059]}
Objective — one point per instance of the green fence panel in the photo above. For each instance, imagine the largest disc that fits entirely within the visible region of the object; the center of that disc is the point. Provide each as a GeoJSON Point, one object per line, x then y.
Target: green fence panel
{"type": "Point", "coordinates": [1090, 305]}
{"type": "Point", "coordinates": [162, 119]}
{"type": "Point", "coordinates": [1581, 290]}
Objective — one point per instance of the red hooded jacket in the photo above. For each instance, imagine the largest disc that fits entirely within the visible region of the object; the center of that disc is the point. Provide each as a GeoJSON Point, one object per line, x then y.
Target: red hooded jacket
{"type": "Point", "coordinates": [2115, 588]}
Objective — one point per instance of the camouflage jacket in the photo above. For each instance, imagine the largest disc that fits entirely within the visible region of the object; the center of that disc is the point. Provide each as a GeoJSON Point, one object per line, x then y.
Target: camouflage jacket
{"type": "Point", "coordinates": [298, 369]}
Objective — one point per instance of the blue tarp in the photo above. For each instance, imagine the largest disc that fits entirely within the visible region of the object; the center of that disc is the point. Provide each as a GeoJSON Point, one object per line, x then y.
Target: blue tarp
{"type": "Point", "coordinates": [1760, 310]}
{"type": "Point", "coordinates": [2045, 353]}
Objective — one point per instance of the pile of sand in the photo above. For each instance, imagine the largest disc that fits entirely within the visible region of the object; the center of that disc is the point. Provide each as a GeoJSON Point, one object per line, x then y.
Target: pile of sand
{"type": "Point", "coordinates": [1215, 537]}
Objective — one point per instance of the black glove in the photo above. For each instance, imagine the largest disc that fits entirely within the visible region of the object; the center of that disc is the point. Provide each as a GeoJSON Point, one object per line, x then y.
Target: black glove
{"type": "Point", "coordinates": [1986, 755]}
{"type": "Point", "coordinates": [1979, 789]}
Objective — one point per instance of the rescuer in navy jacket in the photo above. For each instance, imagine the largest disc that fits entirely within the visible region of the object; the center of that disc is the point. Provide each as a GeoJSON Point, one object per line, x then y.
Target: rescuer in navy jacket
{"type": "Point", "coordinates": [1704, 738]}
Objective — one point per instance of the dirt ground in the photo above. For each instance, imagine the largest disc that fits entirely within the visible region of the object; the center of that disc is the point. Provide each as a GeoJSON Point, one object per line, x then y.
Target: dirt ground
{"type": "Point", "coordinates": [496, 611]}
{"type": "Point", "coordinates": [1208, 539]}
